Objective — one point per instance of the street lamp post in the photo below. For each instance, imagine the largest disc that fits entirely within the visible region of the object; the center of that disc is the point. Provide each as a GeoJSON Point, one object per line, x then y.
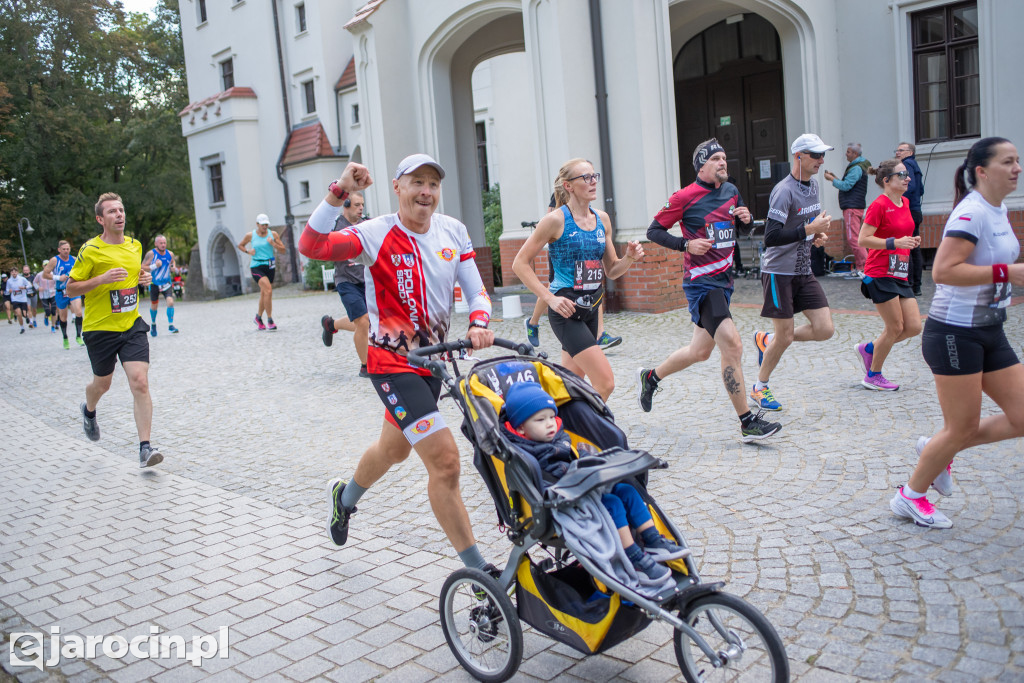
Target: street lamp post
{"type": "Point", "coordinates": [24, 226]}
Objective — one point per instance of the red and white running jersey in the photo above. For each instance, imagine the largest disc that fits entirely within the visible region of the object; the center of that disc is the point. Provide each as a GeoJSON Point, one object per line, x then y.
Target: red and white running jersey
{"type": "Point", "coordinates": [411, 280]}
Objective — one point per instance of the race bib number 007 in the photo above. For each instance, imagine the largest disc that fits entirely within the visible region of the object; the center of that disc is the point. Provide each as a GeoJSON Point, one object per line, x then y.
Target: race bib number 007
{"type": "Point", "coordinates": [123, 300]}
{"type": "Point", "coordinates": [722, 233]}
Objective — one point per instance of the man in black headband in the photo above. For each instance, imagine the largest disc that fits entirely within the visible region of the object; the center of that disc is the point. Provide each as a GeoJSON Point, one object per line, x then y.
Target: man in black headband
{"type": "Point", "coordinates": [707, 211]}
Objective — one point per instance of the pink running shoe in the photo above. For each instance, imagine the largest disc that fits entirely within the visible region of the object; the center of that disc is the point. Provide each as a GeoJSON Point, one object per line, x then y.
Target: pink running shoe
{"type": "Point", "coordinates": [944, 482]}
{"type": "Point", "coordinates": [920, 510]}
{"type": "Point", "coordinates": [864, 356]}
{"type": "Point", "coordinates": [879, 383]}
{"type": "Point", "coordinates": [270, 324]}
{"type": "Point", "coordinates": [259, 323]}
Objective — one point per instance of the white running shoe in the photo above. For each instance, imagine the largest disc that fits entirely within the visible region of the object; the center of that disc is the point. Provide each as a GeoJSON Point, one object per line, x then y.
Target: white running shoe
{"type": "Point", "coordinates": [920, 510]}
{"type": "Point", "coordinates": [944, 482]}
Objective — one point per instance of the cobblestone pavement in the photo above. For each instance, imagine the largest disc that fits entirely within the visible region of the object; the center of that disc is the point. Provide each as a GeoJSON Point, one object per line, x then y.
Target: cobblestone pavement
{"type": "Point", "coordinates": [229, 530]}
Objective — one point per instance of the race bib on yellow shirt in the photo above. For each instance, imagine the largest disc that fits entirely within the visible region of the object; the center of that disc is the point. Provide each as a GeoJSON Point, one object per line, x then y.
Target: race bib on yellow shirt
{"type": "Point", "coordinates": [124, 300]}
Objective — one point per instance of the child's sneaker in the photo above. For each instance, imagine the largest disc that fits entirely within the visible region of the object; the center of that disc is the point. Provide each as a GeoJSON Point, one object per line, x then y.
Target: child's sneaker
{"type": "Point", "coordinates": [532, 334]}
{"type": "Point", "coordinates": [663, 550]}
{"type": "Point", "coordinates": [647, 567]}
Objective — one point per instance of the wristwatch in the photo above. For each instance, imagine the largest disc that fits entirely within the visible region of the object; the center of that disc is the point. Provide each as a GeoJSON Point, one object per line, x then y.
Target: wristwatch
{"type": "Point", "coordinates": [686, 245]}
{"type": "Point", "coordinates": [336, 190]}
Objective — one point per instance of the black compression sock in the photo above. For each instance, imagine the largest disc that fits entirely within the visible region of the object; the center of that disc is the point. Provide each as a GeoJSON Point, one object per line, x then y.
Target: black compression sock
{"type": "Point", "coordinates": [64, 328]}
{"type": "Point", "coordinates": [746, 417]}
{"type": "Point", "coordinates": [78, 326]}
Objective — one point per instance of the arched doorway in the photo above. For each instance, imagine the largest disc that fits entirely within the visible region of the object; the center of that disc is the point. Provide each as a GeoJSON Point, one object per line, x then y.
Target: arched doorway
{"type": "Point", "coordinates": [729, 85]}
{"type": "Point", "coordinates": [225, 274]}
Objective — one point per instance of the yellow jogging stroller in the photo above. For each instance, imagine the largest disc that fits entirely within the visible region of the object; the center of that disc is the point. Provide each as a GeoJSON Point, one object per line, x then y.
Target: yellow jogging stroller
{"type": "Point", "coordinates": [717, 636]}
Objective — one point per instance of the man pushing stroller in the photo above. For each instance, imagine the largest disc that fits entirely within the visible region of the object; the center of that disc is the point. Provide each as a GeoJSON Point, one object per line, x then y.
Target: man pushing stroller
{"type": "Point", "coordinates": [533, 425]}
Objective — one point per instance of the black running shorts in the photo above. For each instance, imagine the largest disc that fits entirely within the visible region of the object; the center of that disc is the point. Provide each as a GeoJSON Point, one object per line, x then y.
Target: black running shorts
{"type": "Point", "coordinates": [787, 295]}
{"type": "Point", "coordinates": [579, 332]}
{"type": "Point", "coordinates": [882, 289]}
{"type": "Point", "coordinates": [411, 403]}
{"type": "Point", "coordinates": [266, 271]}
{"type": "Point", "coordinates": [155, 291]}
{"type": "Point", "coordinates": [952, 350]}
{"type": "Point", "coordinates": [106, 347]}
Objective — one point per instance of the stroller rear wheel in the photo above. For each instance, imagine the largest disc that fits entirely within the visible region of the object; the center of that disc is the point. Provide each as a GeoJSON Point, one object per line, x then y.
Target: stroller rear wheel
{"type": "Point", "coordinates": [481, 625]}
{"type": "Point", "coordinates": [747, 643]}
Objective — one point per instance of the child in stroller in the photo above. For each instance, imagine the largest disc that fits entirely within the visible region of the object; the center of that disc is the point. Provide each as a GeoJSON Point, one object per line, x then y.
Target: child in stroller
{"type": "Point", "coordinates": [534, 426]}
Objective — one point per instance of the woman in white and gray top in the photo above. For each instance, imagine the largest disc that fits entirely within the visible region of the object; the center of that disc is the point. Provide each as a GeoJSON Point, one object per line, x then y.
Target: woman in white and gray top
{"type": "Point", "coordinates": [963, 339]}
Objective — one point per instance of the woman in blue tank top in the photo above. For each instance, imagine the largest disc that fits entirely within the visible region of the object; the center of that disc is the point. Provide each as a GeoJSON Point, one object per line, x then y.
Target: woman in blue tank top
{"type": "Point", "coordinates": [581, 254]}
{"type": "Point", "coordinates": [264, 242]}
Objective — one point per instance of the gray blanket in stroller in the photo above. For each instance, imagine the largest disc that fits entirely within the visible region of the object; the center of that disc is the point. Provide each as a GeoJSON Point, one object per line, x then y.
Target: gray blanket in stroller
{"type": "Point", "coordinates": [588, 531]}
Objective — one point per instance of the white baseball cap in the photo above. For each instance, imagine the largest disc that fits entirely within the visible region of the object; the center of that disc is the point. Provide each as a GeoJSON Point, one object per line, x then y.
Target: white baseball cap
{"type": "Point", "coordinates": [262, 219]}
{"type": "Point", "coordinates": [809, 142]}
{"type": "Point", "coordinates": [414, 161]}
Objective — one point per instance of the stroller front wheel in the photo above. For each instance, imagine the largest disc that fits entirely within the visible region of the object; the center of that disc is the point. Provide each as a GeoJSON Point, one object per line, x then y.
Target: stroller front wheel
{"type": "Point", "coordinates": [481, 625]}
{"type": "Point", "coordinates": [745, 641]}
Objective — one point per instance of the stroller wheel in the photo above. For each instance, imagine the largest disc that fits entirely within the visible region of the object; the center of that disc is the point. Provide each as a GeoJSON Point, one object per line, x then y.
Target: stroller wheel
{"type": "Point", "coordinates": [741, 636]}
{"type": "Point", "coordinates": [481, 625]}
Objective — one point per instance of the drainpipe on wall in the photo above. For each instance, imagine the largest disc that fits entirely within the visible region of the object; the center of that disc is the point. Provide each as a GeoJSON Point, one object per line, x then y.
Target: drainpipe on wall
{"type": "Point", "coordinates": [602, 119]}
{"type": "Point", "coordinates": [602, 109]}
{"type": "Point", "coordinates": [288, 217]}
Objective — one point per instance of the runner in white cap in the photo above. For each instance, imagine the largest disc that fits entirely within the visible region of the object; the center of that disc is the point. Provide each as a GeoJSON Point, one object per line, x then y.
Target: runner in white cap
{"type": "Point", "coordinates": [264, 243]}
{"type": "Point", "coordinates": [795, 220]}
{"type": "Point", "coordinates": [414, 259]}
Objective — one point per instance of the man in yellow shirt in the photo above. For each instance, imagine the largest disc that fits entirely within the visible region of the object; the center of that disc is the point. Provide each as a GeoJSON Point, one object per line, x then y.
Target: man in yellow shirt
{"type": "Point", "coordinates": [108, 273]}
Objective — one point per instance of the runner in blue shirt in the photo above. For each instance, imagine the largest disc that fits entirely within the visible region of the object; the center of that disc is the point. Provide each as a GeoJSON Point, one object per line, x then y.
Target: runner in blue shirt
{"type": "Point", "coordinates": [160, 262]}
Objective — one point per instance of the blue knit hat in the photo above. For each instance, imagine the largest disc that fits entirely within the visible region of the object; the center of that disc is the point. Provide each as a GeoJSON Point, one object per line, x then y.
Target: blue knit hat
{"type": "Point", "coordinates": [523, 399]}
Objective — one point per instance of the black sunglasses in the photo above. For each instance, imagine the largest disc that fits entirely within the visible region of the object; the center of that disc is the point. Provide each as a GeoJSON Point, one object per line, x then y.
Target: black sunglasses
{"type": "Point", "coordinates": [587, 178]}
{"type": "Point", "coordinates": [901, 175]}
{"type": "Point", "coordinates": [816, 155]}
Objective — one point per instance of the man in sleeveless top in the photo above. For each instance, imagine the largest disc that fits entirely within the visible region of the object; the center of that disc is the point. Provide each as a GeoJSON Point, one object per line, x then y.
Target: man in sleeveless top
{"type": "Point", "coordinates": [58, 269]}
{"type": "Point", "coordinates": [262, 266]}
{"type": "Point", "coordinates": [160, 262]}
{"type": "Point", "coordinates": [853, 189]}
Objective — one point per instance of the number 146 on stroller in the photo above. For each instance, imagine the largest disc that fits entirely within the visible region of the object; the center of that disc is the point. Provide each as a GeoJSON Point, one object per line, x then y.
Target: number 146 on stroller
{"type": "Point", "coordinates": [565, 595]}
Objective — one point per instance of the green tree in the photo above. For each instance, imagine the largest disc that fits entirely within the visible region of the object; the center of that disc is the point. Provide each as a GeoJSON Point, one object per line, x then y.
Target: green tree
{"type": "Point", "coordinates": [493, 228]}
{"type": "Point", "coordinates": [92, 99]}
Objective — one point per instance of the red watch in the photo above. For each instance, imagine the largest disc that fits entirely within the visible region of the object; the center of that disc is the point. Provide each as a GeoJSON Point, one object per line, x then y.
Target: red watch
{"type": "Point", "coordinates": [336, 190]}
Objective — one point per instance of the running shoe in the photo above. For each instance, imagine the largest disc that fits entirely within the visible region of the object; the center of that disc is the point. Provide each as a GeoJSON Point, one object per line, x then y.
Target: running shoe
{"type": "Point", "coordinates": [259, 323]}
{"type": "Point", "coordinates": [864, 356]}
{"type": "Point", "coordinates": [645, 389]}
{"type": "Point", "coordinates": [89, 425]}
{"type": "Point", "coordinates": [34, 324]}
{"type": "Point", "coordinates": [647, 567]}
{"type": "Point", "coordinates": [664, 550]}
{"type": "Point", "coordinates": [327, 330]}
{"type": "Point", "coordinates": [922, 512]}
{"type": "Point", "coordinates": [944, 482]}
{"type": "Point", "coordinates": [80, 341]}
{"type": "Point", "coordinates": [759, 428]}
{"type": "Point", "coordinates": [761, 342]}
{"type": "Point", "coordinates": [270, 324]}
{"type": "Point", "coordinates": [337, 526]}
{"type": "Point", "coordinates": [152, 330]}
{"type": "Point", "coordinates": [172, 329]}
{"type": "Point", "coordinates": [879, 383]}
{"type": "Point", "coordinates": [764, 399]}
{"type": "Point", "coordinates": [363, 372]}
{"type": "Point", "coordinates": [67, 343]}
{"type": "Point", "coordinates": [532, 333]}
{"type": "Point", "coordinates": [149, 456]}
{"type": "Point", "coordinates": [607, 341]}
{"type": "Point", "coordinates": [22, 331]}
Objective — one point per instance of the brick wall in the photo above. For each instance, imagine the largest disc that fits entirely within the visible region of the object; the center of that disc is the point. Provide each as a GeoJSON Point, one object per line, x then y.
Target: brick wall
{"type": "Point", "coordinates": [655, 284]}
{"type": "Point", "coordinates": [931, 232]}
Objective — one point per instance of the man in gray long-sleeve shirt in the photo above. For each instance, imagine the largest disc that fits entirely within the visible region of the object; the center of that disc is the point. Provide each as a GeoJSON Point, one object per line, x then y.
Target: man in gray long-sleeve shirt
{"type": "Point", "coordinates": [795, 220]}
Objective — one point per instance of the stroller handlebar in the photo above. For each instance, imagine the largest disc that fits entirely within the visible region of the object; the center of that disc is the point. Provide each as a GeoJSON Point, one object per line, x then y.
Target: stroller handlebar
{"type": "Point", "coordinates": [420, 357]}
